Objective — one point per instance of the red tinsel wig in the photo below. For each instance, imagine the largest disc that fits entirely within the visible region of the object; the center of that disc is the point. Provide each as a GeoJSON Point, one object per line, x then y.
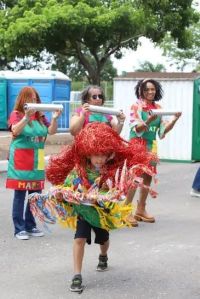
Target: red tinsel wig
{"type": "Point", "coordinates": [96, 138]}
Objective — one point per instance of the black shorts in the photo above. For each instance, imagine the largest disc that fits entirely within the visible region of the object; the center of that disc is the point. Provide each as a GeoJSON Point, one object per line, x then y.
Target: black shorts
{"type": "Point", "coordinates": [83, 230]}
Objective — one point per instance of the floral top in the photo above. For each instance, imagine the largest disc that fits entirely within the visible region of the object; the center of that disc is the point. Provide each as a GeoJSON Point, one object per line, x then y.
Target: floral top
{"type": "Point", "coordinates": [139, 114]}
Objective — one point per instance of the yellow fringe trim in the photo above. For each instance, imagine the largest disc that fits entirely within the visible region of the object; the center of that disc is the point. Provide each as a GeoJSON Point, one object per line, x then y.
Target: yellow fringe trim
{"type": "Point", "coordinates": [114, 219]}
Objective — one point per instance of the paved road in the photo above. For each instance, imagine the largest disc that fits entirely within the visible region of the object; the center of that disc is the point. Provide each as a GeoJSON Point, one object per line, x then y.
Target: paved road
{"type": "Point", "coordinates": [154, 261]}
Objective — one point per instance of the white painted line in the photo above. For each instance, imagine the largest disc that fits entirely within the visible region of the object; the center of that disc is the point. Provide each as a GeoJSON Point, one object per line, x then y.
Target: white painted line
{"type": "Point", "coordinates": [5, 136]}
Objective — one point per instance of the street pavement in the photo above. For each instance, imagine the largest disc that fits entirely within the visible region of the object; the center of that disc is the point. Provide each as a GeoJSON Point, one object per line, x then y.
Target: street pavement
{"type": "Point", "coordinates": [154, 261]}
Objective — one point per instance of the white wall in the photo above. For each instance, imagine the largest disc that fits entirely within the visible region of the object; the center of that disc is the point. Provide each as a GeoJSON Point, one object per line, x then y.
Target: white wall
{"type": "Point", "coordinates": [178, 96]}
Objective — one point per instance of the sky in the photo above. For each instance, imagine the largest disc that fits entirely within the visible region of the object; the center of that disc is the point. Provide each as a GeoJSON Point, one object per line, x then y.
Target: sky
{"type": "Point", "coordinates": [146, 52]}
{"type": "Point", "coordinates": [131, 60]}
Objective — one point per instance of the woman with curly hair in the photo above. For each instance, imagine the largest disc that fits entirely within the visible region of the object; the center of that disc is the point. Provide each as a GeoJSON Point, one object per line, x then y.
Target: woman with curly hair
{"type": "Point", "coordinates": [144, 129]}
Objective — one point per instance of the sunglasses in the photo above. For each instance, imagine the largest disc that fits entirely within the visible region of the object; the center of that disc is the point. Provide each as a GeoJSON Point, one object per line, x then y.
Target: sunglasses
{"type": "Point", "coordinates": [95, 96]}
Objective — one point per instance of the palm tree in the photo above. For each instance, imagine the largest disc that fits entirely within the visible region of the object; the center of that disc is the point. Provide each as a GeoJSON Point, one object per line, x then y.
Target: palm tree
{"type": "Point", "coordinates": [147, 66]}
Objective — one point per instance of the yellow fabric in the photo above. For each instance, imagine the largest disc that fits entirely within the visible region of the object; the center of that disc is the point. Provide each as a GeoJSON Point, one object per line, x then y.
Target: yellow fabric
{"type": "Point", "coordinates": [114, 219]}
{"type": "Point", "coordinates": [69, 222]}
{"type": "Point", "coordinates": [41, 163]}
{"type": "Point", "coordinates": [154, 147]}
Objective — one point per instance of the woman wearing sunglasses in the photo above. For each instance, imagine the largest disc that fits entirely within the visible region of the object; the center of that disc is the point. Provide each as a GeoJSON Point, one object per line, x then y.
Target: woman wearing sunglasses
{"type": "Point", "coordinates": [93, 95]}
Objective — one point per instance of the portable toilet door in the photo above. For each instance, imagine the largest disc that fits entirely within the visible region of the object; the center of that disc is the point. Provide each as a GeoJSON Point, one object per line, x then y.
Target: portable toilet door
{"type": "Point", "coordinates": [44, 87]}
{"type": "Point", "coordinates": [3, 103]}
{"type": "Point", "coordinates": [14, 87]}
{"type": "Point", "coordinates": [61, 95]}
{"type": "Point", "coordinates": [52, 86]}
{"type": "Point", "coordinates": [196, 121]}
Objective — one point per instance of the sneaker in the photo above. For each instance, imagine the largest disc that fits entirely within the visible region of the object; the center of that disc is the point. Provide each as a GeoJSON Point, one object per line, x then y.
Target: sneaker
{"type": "Point", "coordinates": [195, 193]}
{"type": "Point", "coordinates": [102, 265]}
{"type": "Point", "coordinates": [35, 232]}
{"type": "Point", "coordinates": [23, 235]}
{"type": "Point", "coordinates": [76, 285]}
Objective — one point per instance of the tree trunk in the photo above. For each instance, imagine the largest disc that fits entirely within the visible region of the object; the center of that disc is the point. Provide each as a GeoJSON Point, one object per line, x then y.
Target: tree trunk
{"type": "Point", "coordinates": [94, 79]}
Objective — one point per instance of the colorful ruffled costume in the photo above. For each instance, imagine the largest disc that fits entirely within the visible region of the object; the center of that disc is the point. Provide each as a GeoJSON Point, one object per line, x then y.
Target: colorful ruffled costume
{"type": "Point", "coordinates": [97, 196]}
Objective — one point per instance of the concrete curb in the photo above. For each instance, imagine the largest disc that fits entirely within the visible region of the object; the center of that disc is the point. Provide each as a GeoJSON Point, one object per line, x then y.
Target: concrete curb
{"type": "Point", "coordinates": [4, 164]}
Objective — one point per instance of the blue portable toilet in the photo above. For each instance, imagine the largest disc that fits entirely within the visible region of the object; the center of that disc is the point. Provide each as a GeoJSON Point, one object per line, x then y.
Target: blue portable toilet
{"type": "Point", "coordinates": [15, 83]}
{"type": "Point", "coordinates": [50, 85]}
{"type": "Point", "coordinates": [3, 103]}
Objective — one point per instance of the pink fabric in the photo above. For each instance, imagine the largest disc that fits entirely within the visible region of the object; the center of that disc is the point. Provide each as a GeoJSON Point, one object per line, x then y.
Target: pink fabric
{"type": "Point", "coordinates": [16, 116]}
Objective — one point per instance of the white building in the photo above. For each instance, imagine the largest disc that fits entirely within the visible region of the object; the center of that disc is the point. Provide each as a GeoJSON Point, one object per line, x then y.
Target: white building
{"type": "Point", "coordinates": [181, 93]}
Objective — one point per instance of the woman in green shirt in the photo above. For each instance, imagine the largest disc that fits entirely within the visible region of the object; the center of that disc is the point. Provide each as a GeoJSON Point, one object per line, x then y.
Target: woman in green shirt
{"type": "Point", "coordinates": [26, 159]}
{"type": "Point", "coordinates": [144, 129]}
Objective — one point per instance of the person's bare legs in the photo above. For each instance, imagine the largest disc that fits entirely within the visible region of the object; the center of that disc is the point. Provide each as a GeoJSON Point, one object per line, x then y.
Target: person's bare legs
{"type": "Point", "coordinates": [141, 213]}
{"type": "Point", "coordinates": [129, 198]}
{"type": "Point", "coordinates": [103, 258]}
{"type": "Point", "coordinates": [78, 253]}
{"type": "Point", "coordinates": [104, 248]}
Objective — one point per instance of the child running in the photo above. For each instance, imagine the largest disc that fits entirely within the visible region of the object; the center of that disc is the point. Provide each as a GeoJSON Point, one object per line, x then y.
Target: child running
{"type": "Point", "coordinates": [91, 179]}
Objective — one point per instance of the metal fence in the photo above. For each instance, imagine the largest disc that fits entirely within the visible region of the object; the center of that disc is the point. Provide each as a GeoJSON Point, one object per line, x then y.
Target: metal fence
{"type": "Point", "coordinates": [68, 109]}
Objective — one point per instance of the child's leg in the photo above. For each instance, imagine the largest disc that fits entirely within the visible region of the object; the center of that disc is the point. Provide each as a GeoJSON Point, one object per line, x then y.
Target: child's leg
{"type": "Point", "coordinates": [102, 238]}
{"type": "Point", "coordinates": [78, 253]}
{"type": "Point", "coordinates": [83, 234]}
{"type": "Point", "coordinates": [103, 258]}
{"type": "Point", "coordinates": [104, 248]}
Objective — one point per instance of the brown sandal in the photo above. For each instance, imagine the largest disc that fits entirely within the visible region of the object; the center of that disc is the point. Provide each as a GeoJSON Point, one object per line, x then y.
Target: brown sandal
{"type": "Point", "coordinates": [131, 219]}
{"type": "Point", "coordinates": [149, 219]}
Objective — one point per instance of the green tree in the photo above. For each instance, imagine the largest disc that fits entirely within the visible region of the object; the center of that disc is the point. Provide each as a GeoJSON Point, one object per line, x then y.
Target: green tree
{"type": "Point", "coordinates": [73, 68]}
{"type": "Point", "coordinates": [7, 4]}
{"type": "Point", "coordinates": [182, 57]}
{"type": "Point", "coordinates": [98, 28]}
{"type": "Point", "coordinates": [147, 66]}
